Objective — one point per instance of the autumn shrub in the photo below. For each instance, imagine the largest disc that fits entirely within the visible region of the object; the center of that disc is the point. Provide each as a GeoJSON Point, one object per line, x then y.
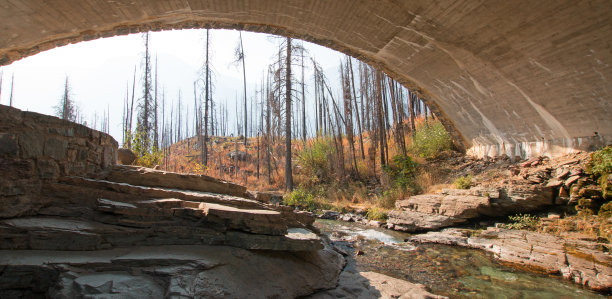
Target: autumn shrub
{"type": "Point", "coordinates": [463, 182]}
{"type": "Point", "coordinates": [431, 139]}
{"type": "Point", "coordinates": [600, 166]}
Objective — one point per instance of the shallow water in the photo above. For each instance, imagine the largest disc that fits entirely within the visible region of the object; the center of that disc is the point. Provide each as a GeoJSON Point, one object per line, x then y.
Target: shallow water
{"type": "Point", "coordinates": [447, 270]}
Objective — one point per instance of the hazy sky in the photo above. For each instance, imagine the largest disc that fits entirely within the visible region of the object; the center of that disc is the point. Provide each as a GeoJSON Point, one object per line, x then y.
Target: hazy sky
{"type": "Point", "coordinates": [99, 71]}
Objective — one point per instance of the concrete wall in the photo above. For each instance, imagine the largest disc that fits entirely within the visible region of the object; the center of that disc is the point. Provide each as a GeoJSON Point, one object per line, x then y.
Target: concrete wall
{"type": "Point", "coordinates": [35, 148]}
{"type": "Point", "coordinates": [514, 77]}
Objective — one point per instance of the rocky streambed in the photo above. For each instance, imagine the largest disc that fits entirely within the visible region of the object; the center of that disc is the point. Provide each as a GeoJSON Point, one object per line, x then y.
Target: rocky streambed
{"type": "Point", "coordinates": [444, 269]}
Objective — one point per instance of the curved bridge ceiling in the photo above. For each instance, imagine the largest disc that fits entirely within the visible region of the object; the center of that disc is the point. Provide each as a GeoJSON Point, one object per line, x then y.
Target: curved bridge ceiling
{"type": "Point", "coordinates": [514, 77]}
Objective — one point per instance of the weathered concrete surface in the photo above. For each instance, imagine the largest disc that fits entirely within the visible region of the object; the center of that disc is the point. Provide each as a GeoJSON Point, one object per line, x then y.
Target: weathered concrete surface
{"type": "Point", "coordinates": [508, 77]}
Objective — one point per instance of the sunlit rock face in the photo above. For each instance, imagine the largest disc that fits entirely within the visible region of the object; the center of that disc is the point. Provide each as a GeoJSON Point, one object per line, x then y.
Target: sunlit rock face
{"type": "Point", "coordinates": [75, 224]}
{"type": "Point", "coordinates": [508, 77]}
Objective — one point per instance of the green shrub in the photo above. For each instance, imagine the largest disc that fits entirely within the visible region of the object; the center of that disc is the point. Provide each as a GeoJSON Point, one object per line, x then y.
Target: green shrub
{"type": "Point", "coordinates": [523, 221]}
{"type": "Point", "coordinates": [145, 155]}
{"type": "Point", "coordinates": [388, 199]}
{"type": "Point", "coordinates": [600, 166]}
{"type": "Point", "coordinates": [430, 140]}
{"type": "Point", "coordinates": [302, 199]}
{"type": "Point", "coordinates": [374, 213]}
{"type": "Point", "coordinates": [402, 171]}
{"type": "Point", "coordinates": [463, 182]}
{"type": "Point", "coordinates": [315, 162]}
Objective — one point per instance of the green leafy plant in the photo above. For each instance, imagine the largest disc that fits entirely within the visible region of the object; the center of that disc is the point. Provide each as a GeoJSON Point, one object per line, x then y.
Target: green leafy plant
{"type": "Point", "coordinates": [374, 213]}
{"type": "Point", "coordinates": [402, 171]}
{"type": "Point", "coordinates": [431, 139]}
{"type": "Point", "coordinates": [145, 156]}
{"type": "Point", "coordinates": [463, 182]}
{"type": "Point", "coordinates": [600, 166]}
{"type": "Point", "coordinates": [523, 222]}
{"type": "Point", "coordinates": [302, 199]}
{"type": "Point", "coordinates": [314, 161]}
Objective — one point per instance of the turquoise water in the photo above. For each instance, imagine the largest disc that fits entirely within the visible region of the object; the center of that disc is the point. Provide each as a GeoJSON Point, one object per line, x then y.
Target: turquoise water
{"type": "Point", "coordinates": [446, 270]}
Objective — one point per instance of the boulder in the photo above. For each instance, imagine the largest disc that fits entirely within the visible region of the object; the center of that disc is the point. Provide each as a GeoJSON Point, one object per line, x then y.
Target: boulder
{"type": "Point", "coordinates": [328, 214]}
{"type": "Point", "coordinates": [457, 206]}
{"type": "Point", "coordinates": [125, 156]}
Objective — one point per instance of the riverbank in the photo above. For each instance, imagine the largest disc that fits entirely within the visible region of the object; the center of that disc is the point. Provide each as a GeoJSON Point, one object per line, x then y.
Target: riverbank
{"type": "Point", "coordinates": [445, 270]}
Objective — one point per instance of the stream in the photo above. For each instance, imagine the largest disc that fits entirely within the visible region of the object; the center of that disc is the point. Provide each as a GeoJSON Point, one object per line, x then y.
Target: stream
{"type": "Point", "coordinates": [452, 271]}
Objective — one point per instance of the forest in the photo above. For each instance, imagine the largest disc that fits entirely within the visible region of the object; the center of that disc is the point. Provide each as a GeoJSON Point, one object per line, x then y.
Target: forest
{"type": "Point", "coordinates": [330, 148]}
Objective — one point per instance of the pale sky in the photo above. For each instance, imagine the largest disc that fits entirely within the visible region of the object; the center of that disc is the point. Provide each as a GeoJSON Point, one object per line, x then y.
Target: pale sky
{"type": "Point", "coordinates": [99, 71]}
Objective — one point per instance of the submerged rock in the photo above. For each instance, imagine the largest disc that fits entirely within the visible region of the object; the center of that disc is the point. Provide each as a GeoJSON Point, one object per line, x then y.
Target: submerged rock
{"type": "Point", "coordinates": [576, 260]}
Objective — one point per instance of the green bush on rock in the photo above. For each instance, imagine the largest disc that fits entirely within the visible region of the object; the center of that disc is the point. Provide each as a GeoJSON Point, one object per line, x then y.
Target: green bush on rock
{"type": "Point", "coordinates": [430, 139]}
{"type": "Point", "coordinates": [374, 213]}
{"type": "Point", "coordinates": [600, 166]}
{"type": "Point", "coordinates": [523, 221]}
{"type": "Point", "coordinates": [463, 182]}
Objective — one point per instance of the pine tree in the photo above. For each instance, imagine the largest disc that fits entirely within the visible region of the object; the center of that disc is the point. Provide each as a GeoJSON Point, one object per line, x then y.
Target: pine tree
{"type": "Point", "coordinates": [146, 113]}
{"type": "Point", "coordinates": [66, 109]}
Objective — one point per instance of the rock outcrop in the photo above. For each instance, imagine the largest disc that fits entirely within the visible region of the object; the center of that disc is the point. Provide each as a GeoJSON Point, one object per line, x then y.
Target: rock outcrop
{"type": "Point", "coordinates": [74, 224]}
{"type": "Point", "coordinates": [525, 187]}
{"type": "Point", "coordinates": [457, 206]}
{"type": "Point", "coordinates": [577, 260]}
{"type": "Point", "coordinates": [35, 149]}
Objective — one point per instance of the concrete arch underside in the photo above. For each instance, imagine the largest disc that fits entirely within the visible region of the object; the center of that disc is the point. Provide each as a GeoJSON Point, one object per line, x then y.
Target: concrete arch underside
{"type": "Point", "coordinates": [519, 77]}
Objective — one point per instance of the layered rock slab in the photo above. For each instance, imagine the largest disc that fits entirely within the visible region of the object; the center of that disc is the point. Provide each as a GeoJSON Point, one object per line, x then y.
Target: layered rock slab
{"type": "Point", "coordinates": [168, 271]}
{"type": "Point", "coordinates": [458, 206]}
{"type": "Point", "coordinates": [143, 176]}
{"type": "Point", "coordinates": [577, 260]}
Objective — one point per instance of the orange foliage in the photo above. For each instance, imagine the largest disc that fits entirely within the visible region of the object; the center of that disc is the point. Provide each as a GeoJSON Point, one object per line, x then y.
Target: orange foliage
{"type": "Point", "coordinates": [185, 155]}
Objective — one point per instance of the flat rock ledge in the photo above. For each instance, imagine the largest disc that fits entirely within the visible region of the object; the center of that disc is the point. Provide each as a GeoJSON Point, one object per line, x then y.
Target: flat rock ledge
{"type": "Point", "coordinates": [576, 260]}
{"type": "Point", "coordinates": [170, 271]}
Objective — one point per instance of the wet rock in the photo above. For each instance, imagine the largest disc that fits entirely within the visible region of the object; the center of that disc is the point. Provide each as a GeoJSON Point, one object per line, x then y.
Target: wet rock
{"type": "Point", "coordinates": [577, 260]}
{"type": "Point", "coordinates": [327, 214]}
{"type": "Point", "coordinates": [375, 223]}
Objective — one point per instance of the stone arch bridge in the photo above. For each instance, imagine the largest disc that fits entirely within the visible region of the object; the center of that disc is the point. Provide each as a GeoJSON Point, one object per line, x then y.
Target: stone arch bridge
{"type": "Point", "coordinates": [514, 77]}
